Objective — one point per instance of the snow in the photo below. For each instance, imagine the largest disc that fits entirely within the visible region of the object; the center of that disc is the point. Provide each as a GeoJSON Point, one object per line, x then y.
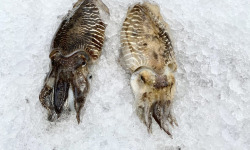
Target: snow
{"type": "Point", "coordinates": [212, 106]}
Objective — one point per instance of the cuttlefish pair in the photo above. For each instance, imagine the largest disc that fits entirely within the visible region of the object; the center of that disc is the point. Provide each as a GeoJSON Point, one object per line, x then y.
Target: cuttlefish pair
{"type": "Point", "coordinates": [147, 53]}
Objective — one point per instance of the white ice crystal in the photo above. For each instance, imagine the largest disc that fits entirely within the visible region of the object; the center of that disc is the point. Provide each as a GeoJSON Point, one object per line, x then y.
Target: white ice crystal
{"type": "Point", "coordinates": [212, 104]}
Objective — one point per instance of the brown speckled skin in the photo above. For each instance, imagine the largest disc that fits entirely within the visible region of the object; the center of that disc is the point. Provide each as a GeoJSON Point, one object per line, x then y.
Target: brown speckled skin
{"type": "Point", "coordinates": [76, 45]}
{"type": "Point", "coordinates": [147, 53]}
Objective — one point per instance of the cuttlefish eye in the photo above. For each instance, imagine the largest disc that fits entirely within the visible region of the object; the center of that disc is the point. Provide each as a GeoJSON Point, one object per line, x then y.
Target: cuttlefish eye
{"type": "Point", "coordinates": [83, 63]}
{"type": "Point", "coordinates": [90, 76]}
{"type": "Point", "coordinates": [79, 63]}
{"type": "Point", "coordinates": [143, 79]}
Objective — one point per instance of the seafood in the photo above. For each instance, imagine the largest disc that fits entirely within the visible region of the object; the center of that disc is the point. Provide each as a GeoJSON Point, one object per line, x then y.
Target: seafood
{"type": "Point", "coordinates": [77, 44]}
{"type": "Point", "coordinates": [147, 53]}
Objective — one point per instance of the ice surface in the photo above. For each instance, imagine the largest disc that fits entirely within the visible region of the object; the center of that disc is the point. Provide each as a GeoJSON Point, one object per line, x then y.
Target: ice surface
{"type": "Point", "coordinates": [212, 107]}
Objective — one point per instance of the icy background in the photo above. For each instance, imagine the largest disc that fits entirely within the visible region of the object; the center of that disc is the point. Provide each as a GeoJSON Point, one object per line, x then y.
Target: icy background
{"type": "Point", "coordinates": [212, 103]}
